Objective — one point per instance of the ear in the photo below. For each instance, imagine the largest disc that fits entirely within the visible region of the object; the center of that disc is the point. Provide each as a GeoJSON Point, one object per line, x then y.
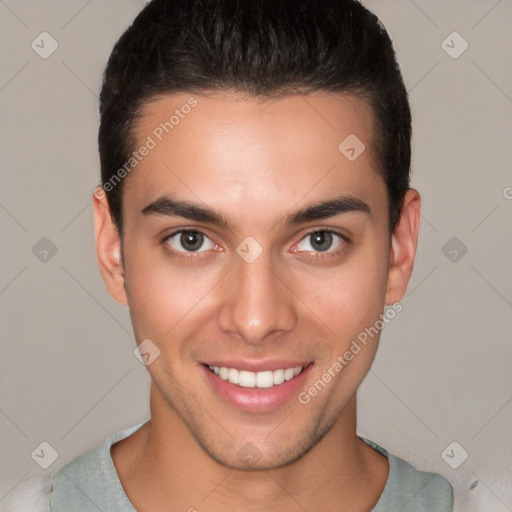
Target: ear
{"type": "Point", "coordinates": [108, 247]}
{"type": "Point", "coordinates": [404, 241]}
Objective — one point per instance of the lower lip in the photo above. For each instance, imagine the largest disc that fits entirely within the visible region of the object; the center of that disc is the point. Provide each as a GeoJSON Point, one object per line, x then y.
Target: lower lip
{"type": "Point", "coordinates": [256, 399]}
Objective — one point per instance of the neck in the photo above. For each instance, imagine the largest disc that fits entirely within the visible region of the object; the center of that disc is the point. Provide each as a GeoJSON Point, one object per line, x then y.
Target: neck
{"type": "Point", "coordinates": [165, 464]}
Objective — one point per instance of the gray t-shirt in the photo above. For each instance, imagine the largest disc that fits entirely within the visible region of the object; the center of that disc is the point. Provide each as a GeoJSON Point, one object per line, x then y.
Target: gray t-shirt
{"type": "Point", "coordinates": [90, 483]}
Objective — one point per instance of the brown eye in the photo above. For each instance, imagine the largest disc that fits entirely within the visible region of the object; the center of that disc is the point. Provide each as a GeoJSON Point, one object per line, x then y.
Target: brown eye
{"type": "Point", "coordinates": [190, 241]}
{"type": "Point", "coordinates": [320, 241]}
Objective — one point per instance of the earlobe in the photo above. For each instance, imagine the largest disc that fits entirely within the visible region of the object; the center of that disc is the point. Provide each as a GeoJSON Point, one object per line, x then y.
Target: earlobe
{"type": "Point", "coordinates": [404, 241]}
{"type": "Point", "coordinates": [108, 247]}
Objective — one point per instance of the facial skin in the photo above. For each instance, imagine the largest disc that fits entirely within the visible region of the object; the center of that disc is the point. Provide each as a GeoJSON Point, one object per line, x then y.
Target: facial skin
{"type": "Point", "coordinates": [256, 163]}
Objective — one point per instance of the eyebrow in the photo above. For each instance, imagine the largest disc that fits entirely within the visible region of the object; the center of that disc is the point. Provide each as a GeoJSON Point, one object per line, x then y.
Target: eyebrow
{"type": "Point", "coordinates": [193, 211]}
{"type": "Point", "coordinates": [329, 208]}
{"type": "Point", "coordinates": [172, 207]}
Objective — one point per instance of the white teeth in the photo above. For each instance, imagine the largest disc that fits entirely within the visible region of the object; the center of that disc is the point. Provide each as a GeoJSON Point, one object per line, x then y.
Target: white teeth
{"type": "Point", "coordinates": [289, 373]}
{"type": "Point", "coordinates": [264, 379]}
{"type": "Point", "coordinates": [246, 379]}
{"type": "Point", "coordinates": [233, 375]}
{"type": "Point", "coordinates": [278, 377]}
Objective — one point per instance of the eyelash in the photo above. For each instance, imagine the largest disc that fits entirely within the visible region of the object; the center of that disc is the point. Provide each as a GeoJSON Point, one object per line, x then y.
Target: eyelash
{"type": "Point", "coordinates": [344, 245]}
{"type": "Point", "coordinates": [319, 254]}
{"type": "Point", "coordinates": [185, 255]}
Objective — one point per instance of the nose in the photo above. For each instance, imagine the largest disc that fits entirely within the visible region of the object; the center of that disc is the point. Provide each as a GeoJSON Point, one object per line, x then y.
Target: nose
{"type": "Point", "coordinates": [256, 302]}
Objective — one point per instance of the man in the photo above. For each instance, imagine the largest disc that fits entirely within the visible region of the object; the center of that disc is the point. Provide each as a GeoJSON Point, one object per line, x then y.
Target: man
{"type": "Point", "coordinates": [255, 215]}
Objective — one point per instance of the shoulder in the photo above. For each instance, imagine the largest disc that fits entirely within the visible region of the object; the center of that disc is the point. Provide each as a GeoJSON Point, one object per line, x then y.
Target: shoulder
{"type": "Point", "coordinates": [91, 480]}
{"type": "Point", "coordinates": [410, 489]}
{"type": "Point", "coordinates": [421, 490]}
{"type": "Point", "coordinates": [30, 495]}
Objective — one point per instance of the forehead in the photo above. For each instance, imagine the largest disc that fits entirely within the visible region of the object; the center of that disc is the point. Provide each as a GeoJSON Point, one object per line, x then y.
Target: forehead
{"type": "Point", "coordinates": [231, 151]}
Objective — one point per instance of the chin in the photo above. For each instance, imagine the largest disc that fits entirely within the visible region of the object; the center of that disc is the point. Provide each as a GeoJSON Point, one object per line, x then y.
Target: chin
{"type": "Point", "coordinates": [263, 454]}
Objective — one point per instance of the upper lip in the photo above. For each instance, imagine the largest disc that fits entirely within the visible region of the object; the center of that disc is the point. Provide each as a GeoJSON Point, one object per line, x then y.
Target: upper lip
{"type": "Point", "coordinates": [258, 366]}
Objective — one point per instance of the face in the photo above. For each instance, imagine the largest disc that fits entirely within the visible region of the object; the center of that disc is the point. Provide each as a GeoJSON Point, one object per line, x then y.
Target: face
{"type": "Point", "coordinates": [255, 252]}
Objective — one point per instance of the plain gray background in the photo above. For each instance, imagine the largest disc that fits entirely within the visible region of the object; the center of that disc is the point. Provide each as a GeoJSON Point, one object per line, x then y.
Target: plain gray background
{"type": "Point", "coordinates": [442, 373]}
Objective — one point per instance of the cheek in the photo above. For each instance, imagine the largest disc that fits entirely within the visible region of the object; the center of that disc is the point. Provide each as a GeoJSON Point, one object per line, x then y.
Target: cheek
{"type": "Point", "coordinates": [162, 293]}
{"type": "Point", "coordinates": [348, 298]}
{"type": "Point", "coordinates": [349, 301]}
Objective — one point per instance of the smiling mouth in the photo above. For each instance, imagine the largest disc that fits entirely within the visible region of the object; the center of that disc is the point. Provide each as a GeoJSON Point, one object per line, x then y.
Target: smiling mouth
{"type": "Point", "coordinates": [263, 380]}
